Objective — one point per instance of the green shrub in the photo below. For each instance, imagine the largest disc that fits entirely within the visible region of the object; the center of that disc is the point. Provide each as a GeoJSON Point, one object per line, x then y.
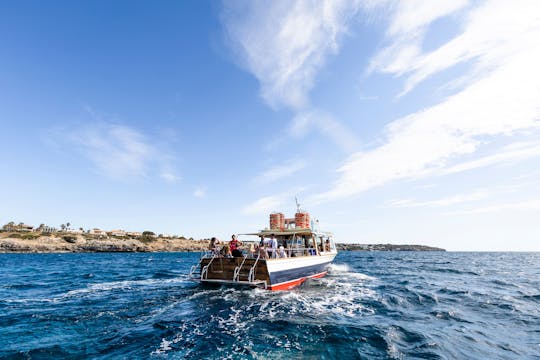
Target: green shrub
{"type": "Point", "coordinates": [146, 239]}
{"type": "Point", "coordinates": [29, 236]}
{"type": "Point", "coordinates": [15, 235]}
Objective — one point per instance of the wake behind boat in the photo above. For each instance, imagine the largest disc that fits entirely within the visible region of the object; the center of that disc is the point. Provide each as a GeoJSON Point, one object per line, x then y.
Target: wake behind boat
{"type": "Point", "coordinates": [285, 255]}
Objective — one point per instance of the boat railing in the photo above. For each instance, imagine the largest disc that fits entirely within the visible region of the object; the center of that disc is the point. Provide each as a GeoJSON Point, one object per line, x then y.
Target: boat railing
{"type": "Point", "coordinates": [194, 268]}
{"type": "Point", "coordinates": [251, 276]}
{"type": "Point", "coordinates": [236, 274]}
{"type": "Point", "coordinates": [204, 270]}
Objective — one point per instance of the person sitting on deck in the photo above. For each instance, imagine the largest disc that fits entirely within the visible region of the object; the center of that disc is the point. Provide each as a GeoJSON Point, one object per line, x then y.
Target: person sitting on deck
{"type": "Point", "coordinates": [262, 252]}
{"type": "Point", "coordinates": [213, 246]}
{"type": "Point", "coordinates": [252, 250]}
{"type": "Point", "coordinates": [234, 244]}
{"type": "Point", "coordinates": [226, 251]}
{"type": "Point", "coordinates": [281, 252]}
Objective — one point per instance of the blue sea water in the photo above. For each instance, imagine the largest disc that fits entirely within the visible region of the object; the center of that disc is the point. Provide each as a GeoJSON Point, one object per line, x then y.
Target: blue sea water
{"type": "Point", "coordinates": [372, 305]}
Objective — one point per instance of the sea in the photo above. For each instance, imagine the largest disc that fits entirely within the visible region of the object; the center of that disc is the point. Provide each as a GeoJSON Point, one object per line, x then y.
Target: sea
{"type": "Point", "coordinates": [371, 305]}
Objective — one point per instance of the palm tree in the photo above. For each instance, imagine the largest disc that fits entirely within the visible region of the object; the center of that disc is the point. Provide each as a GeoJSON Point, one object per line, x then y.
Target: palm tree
{"type": "Point", "coordinates": [63, 226]}
{"type": "Point", "coordinates": [67, 225]}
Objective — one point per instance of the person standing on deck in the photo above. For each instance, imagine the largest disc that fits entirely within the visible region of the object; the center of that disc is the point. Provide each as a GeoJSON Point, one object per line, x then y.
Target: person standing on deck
{"type": "Point", "coordinates": [234, 244]}
{"type": "Point", "coordinates": [213, 246]}
{"type": "Point", "coordinates": [273, 246]}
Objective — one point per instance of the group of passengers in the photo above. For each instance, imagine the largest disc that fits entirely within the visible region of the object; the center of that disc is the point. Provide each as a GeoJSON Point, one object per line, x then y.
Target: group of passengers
{"type": "Point", "coordinates": [267, 248]}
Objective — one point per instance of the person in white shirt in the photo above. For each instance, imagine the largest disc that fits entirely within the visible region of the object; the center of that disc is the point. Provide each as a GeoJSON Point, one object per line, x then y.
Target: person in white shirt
{"type": "Point", "coordinates": [271, 246]}
{"type": "Point", "coordinates": [281, 252]}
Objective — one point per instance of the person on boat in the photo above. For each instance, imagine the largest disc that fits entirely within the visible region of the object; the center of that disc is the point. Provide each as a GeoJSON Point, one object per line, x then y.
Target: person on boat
{"type": "Point", "coordinates": [226, 251]}
{"type": "Point", "coordinates": [213, 246]}
{"type": "Point", "coordinates": [252, 250]}
{"type": "Point", "coordinates": [262, 252]}
{"type": "Point", "coordinates": [281, 252]}
{"type": "Point", "coordinates": [327, 245]}
{"type": "Point", "coordinates": [234, 244]}
{"type": "Point", "coordinates": [272, 246]}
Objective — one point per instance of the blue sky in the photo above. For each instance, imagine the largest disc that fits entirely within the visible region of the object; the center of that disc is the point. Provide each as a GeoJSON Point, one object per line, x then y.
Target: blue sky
{"type": "Point", "coordinates": [393, 122]}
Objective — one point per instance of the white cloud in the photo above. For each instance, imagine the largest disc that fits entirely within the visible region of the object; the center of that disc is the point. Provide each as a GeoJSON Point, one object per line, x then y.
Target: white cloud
{"type": "Point", "coordinates": [446, 201]}
{"type": "Point", "coordinates": [528, 205]}
{"type": "Point", "coordinates": [281, 171]}
{"type": "Point", "coordinates": [265, 205]}
{"type": "Point", "coordinates": [503, 101]}
{"type": "Point", "coordinates": [492, 33]}
{"type": "Point", "coordinates": [409, 21]}
{"type": "Point", "coordinates": [514, 152]}
{"type": "Point", "coordinates": [118, 151]}
{"type": "Point", "coordinates": [200, 192]}
{"type": "Point", "coordinates": [271, 203]}
{"type": "Point", "coordinates": [169, 176]}
{"type": "Point", "coordinates": [327, 125]}
{"type": "Point", "coordinates": [285, 43]}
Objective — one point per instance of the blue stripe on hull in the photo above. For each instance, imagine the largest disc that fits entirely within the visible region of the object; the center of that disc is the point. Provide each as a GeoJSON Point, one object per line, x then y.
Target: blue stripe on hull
{"type": "Point", "coordinates": [298, 273]}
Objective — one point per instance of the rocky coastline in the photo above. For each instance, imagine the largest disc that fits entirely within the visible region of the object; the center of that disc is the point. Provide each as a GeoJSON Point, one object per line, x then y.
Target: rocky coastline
{"type": "Point", "coordinates": [81, 244]}
{"type": "Point", "coordinates": [10, 243]}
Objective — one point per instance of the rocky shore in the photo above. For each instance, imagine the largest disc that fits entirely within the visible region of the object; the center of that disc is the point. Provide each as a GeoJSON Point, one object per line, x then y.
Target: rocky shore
{"type": "Point", "coordinates": [10, 243]}
{"type": "Point", "coordinates": [77, 244]}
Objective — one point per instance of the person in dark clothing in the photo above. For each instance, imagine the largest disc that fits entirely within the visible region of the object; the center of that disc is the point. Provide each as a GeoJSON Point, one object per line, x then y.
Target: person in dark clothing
{"type": "Point", "coordinates": [234, 244]}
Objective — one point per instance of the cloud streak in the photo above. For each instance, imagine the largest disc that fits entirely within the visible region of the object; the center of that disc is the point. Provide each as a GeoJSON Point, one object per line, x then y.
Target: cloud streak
{"type": "Point", "coordinates": [118, 151]}
{"type": "Point", "coordinates": [281, 171]}
{"type": "Point", "coordinates": [501, 99]}
{"type": "Point", "coordinates": [527, 205]}
{"type": "Point", "coordinates": [284, 43]}
{"type": "Point", "coordinates": [444, 202]}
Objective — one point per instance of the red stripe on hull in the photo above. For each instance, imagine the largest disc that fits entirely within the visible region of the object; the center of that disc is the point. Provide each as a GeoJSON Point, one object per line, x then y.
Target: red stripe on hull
{"type": "Point", "coordinates": [294, 283]}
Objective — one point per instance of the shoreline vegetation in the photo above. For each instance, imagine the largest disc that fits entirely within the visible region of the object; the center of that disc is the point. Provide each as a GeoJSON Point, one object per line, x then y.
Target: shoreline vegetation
{"type": "Point", "coordinates": [24, 238]}
{"type": "Point", "coordinates": [14, 242]}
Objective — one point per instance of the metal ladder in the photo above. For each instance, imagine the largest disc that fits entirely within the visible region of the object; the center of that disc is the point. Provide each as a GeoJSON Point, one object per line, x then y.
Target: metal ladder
{"type": "Point", "coordinates": [236, 275]}
{"type": "Point", "coordinates": [251, 276]}
{"type": "Point", "coordinates": [204, 270]}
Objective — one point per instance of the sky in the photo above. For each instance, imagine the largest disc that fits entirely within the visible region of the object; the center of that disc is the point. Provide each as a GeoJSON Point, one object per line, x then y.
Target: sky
{"type": "Point", "coordinates": [403, 122]}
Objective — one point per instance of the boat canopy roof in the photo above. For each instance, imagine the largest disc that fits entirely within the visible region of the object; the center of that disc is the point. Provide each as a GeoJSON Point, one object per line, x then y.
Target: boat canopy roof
{"type": "Point", "coordinates": [287, 232]}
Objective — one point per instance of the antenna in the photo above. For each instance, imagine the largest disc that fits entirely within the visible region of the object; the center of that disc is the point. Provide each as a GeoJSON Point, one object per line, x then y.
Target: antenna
{"type": "Point", "coordinates": [297, 204]}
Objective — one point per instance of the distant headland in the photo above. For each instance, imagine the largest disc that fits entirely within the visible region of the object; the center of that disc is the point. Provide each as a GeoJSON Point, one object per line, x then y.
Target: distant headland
{"type": "Point", "coordinates": [23, 238]}
{"type": "Point", "coordinates": [386, 247]}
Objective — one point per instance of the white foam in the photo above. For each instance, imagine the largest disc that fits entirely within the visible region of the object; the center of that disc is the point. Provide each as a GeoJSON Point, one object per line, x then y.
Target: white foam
{"type": "Point", "coordinates": [124, 285]}
{"type": "Point", "coordinates": [345, 270]}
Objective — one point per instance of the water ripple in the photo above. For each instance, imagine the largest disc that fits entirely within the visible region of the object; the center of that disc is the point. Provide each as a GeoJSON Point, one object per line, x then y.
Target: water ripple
{"type": "Point", "coordinates": [370, 305]}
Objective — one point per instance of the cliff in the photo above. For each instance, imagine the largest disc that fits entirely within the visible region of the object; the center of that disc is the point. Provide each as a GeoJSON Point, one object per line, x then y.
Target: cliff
{"type": "Point", "coordinates": [54, 244]}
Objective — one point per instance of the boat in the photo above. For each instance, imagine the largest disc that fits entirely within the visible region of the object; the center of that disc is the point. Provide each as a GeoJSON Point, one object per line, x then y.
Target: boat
{"type": "Point", "coordinates": [305, 252]}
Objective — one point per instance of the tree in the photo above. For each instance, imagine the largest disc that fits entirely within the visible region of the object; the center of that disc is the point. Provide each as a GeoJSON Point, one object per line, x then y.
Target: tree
{"type": "Point", "coordinates": [63, 227]}
{"type": "Point", "coordinates": [147, 236]}
{"type": "Point", "coordinates": [67, 225]}
{"type": "Point", "coordinates": [9, 226]}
